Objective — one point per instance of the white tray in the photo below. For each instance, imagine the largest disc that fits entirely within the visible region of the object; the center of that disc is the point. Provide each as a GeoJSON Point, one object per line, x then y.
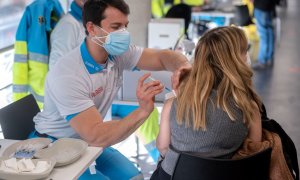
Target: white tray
{"type": "Point", "coordinates": [27, 175]}
{"type": "Point", "coordinates": [64, 151]}
{"type": "Point", "coordinates": [38, 143]}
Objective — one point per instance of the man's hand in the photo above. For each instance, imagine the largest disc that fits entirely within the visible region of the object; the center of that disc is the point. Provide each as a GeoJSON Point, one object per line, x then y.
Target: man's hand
{"type": "Point", "coordinates": [146, 92]}
{"type": "Point", "coordinates": [178, 75]}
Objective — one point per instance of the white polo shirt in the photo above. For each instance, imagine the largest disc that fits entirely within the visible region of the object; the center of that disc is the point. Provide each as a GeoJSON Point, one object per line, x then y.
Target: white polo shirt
{"type": "Point", "coordinates": [67, 35]}
{"type": "Point", "coordinates": [76, 83]}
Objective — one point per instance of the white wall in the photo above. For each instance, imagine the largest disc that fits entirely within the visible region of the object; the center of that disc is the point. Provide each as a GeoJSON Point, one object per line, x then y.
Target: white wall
{"type": "Point", "coordinates": [140, 15]}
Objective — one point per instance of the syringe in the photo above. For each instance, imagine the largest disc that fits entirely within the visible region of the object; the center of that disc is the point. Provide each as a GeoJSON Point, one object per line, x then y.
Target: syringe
{"type": "Point", "coordinates": [169, 95]}
{"type": "Point", "coordinates": [168, 89]}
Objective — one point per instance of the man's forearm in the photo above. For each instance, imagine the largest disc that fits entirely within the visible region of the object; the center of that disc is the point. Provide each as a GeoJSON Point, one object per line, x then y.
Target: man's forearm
{"type": "Point", "coordinates": [108, 133]}
{"type": "Point", "coordinates": [172, 61]}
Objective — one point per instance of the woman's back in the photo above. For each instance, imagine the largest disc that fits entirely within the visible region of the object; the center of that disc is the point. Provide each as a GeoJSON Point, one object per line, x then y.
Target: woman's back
{"type": "Point", "coordinates": [221, 138]}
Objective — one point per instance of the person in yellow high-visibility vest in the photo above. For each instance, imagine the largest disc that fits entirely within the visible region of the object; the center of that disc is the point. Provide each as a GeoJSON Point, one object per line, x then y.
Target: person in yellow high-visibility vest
{"type": "Point", "coordinates": [31, 49]}
{"type": "Point", "coordinates": [161, 7]}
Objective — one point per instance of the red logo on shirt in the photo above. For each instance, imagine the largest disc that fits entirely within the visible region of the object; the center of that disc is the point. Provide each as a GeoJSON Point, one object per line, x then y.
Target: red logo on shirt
{"type": "Point", "coordinates": [97, 91]}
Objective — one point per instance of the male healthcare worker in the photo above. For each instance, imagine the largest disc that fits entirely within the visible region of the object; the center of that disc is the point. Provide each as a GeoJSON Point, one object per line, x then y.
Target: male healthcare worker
{"type": "Point", "coordinates": [67, 35]}
{"type": "Point", "coordinates": [80, 88]}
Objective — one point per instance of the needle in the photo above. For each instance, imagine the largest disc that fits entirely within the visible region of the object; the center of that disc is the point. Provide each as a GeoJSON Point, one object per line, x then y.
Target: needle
{"type": "Point", "coordinates": [168, 89]}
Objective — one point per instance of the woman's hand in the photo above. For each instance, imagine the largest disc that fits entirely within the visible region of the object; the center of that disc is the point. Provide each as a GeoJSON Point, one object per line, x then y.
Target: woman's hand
{"type": "Point", "coordinates": [146, 93]}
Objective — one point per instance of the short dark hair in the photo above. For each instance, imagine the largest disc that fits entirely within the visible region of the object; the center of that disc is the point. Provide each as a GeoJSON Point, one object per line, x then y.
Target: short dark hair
{"type": "Point", "coordinates": [93, 10]}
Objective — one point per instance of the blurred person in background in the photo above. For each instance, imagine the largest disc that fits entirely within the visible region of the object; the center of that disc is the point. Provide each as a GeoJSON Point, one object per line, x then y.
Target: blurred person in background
{"type": "Point", "coordinates": [264, 12]}
{"type": "Point", "coordinates": [68, 33]}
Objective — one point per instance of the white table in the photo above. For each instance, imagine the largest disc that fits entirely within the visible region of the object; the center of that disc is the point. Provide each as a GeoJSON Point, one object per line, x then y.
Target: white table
{"type": "Point", "coordinates": [71, 171]}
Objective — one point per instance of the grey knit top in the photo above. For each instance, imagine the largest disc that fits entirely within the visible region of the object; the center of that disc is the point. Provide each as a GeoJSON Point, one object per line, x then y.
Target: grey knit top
{"type": "Point", "coordinates": [221, 138]}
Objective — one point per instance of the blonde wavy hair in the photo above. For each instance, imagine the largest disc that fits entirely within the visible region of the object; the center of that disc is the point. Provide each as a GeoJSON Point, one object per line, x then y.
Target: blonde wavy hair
{"type": "Point", "coordinates": [220, 63]}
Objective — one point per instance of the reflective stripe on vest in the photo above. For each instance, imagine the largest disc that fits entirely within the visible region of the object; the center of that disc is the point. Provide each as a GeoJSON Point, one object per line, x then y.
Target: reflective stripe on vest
{"type": "Point", "coordinates": [38, 58]}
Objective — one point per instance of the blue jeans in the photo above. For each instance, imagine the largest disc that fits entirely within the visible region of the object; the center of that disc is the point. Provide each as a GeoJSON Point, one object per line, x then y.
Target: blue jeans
{"type": "Point", "coordinates": [110, 165]}
{"type": "Point", "coordinates": [123, 111]}
{"type": "Point", "coordinates": [265, 30]}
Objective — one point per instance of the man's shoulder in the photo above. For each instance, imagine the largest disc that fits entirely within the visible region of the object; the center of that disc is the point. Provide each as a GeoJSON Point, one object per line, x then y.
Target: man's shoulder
{"type": "Point", "coordinates": [69, 63]}
{"type": "Point", "coordinates": [127, 56]}
{"type": "Point", "coordinates": [133, 50]}
{"type": "Point", "coordinates": [73, 55]}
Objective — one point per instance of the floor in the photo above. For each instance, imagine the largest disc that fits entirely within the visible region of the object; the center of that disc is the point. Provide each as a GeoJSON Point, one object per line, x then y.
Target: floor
{"type": "Point", "coordinates": [138, 155]}
{"type": "Point", "coordinates": [279, 87]}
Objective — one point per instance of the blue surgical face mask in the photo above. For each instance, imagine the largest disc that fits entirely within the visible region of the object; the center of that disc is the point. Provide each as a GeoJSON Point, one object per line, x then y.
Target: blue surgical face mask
{"type": "Point", "coordinates": [116, 43]}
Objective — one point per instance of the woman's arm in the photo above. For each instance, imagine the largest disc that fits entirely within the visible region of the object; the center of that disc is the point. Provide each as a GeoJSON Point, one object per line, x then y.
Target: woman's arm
{"type": "Point", "coordinates": [164, 135]}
